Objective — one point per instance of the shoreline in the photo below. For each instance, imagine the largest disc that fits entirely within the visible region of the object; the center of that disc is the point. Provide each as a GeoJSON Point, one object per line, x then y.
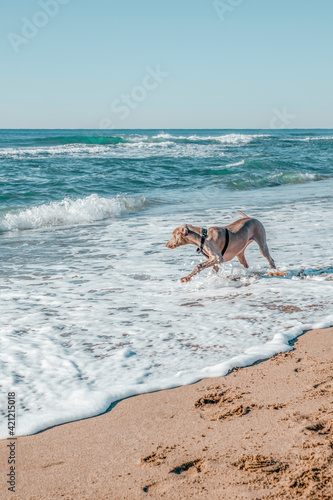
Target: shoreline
{"type": "Point", "coordinates": [251, 356]}
{"type": "Point", "coordinates": [263, 432]}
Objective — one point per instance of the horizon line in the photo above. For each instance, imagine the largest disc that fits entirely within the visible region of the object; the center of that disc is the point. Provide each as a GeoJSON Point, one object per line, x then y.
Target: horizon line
{"type": "Point", "coordinates": [181, 128]}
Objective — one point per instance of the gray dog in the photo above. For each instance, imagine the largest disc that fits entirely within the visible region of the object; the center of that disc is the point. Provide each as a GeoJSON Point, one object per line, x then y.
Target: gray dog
{"type": "Point", "coordinates": [221, 244]}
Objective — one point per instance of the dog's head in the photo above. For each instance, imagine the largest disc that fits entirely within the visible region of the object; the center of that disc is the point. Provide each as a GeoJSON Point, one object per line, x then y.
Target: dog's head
{"type": "Point", "coordinates": [178, 237]}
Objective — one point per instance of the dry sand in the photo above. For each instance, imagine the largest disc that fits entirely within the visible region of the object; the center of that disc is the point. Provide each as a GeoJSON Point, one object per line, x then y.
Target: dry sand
{"type": "Point", "coordinates": [262, 432]}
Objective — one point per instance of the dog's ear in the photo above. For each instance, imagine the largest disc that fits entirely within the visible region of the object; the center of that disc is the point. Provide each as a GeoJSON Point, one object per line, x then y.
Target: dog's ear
{"type": "Point", "coordinates": [184, 230]}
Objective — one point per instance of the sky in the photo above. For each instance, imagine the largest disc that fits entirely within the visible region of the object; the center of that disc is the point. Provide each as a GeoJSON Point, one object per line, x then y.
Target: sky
{"type": "Point", "coordinates": [230, 64]}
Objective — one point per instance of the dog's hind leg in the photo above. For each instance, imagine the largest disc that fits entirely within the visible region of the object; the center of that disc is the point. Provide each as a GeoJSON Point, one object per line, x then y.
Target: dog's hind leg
{"type": "Point", "coordinates": [265, 252]}
{"type": "Point", "coordinates": [260, 238]}
{"type": "Point", "coordinates": [241, 256]}
{"type": "Point", "coordinates": [242, 259]}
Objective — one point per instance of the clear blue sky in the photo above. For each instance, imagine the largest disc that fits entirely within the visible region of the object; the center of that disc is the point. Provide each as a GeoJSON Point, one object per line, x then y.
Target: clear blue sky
{"type": "Point", "coordinates": [240, 69]}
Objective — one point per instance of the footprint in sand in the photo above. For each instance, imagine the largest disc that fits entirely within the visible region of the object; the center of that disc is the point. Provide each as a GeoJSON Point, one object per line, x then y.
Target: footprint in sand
{"type": "Point", "coordinates": [223, 405]}
{"type": "Point", "coordinates": [157, 457]}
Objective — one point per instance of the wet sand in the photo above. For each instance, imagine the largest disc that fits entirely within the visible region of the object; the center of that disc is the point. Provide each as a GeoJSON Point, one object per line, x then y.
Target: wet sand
{"type": "Point", "coordinates": [262, 432]}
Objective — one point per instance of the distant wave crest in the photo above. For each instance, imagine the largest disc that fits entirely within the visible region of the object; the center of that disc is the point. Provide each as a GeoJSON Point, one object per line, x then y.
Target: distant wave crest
{"type": "Point", "coordinates": [270, 179]}
{"type": "Point", "coordinates": [159, 138]}
{"type": "Point", "coordinates": [71, 212]}
{"type": "Point", "coordinates": [103, 144]}
{"type": "Point", "coordinates": [321, 138]}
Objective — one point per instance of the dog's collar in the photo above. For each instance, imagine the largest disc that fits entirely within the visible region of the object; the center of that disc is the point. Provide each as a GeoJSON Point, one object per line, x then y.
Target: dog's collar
{"type": "Point", "coordinates": [204, 236]}
{"type": "Point", "coordinates": [202, 242]}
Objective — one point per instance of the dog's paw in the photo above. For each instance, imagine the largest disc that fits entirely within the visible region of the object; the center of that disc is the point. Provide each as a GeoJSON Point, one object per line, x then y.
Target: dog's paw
{"type": "Point", "coordinates": [183, 280]}
{"type": "Point", "coordinates": [275, 272]}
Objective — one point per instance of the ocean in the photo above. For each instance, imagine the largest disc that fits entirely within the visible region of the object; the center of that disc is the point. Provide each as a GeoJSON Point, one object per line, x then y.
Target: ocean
{"type": "Point", "coordinates": [92, 310]}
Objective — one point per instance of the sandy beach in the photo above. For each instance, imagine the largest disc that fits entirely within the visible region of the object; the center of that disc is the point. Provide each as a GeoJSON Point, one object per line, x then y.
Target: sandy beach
{"type": "Point", "coordinates": [262, 432]}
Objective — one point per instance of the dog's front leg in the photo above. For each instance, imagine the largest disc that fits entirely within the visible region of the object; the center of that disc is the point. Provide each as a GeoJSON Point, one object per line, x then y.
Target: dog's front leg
{"type": "Point", "coordinates": [212, 261]}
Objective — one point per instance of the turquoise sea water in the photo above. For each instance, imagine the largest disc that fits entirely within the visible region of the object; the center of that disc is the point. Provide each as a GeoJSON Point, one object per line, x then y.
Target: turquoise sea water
{"type": "Point", "coordinates": [49, 165]}
{"type": "Point", "coordinates": [92, 309]}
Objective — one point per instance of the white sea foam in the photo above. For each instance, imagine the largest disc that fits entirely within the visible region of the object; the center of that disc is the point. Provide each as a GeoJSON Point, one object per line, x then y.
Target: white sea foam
{"type": "Point", "coordinates": [239, 138]}
{"type": "Point", "coordinates": [224, 139]}
{"type": "Point", "coordinates": [137, 146]}
{"type": "Point", "coordinates": [70, 212]}
{"type": "Point", "coordinates": [97, 313]}
{"type": "Point", "coordinates": [237, 164]}
{"type": "Point", "coordinates": [320, 138]}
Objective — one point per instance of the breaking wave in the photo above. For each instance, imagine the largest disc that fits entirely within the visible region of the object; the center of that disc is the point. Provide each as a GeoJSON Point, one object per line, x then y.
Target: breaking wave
{"type": "Point", "coordinates": [71, 212]}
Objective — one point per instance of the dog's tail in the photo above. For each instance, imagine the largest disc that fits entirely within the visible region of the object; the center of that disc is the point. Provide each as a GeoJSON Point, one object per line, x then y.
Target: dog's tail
{"type": "Point", "coordinates": [244, 215]}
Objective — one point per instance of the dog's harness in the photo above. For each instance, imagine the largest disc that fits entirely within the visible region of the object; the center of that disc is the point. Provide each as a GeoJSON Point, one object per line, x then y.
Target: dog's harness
{"type": "Point", "coordinates": [204, 236]}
